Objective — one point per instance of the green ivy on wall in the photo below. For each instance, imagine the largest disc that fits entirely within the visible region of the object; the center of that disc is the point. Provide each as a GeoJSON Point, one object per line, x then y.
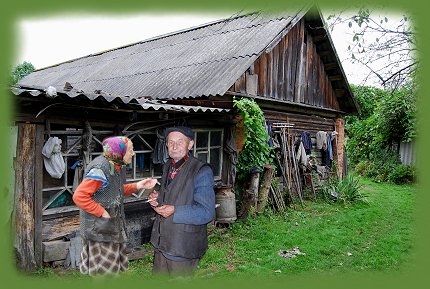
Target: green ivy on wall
{"type": "Point", "coordinates": [256, 151]}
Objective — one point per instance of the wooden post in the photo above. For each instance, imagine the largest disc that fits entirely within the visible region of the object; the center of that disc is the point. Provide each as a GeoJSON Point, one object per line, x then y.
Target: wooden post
{"type": "Point", "coordinates": [249, 196]}
{"type": "Point", "coordinates": [253, 188]}
{"type": "Point", "coordinates": [23, 211]}
{"type": "Point", "coordinates": [338, 153]}
{"type": "Point", "coordinates": [263, 193]}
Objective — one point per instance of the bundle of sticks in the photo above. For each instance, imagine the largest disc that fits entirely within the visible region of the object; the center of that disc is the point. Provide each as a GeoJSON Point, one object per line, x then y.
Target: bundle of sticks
{"type": "Point", "coordinates": [287, 163]}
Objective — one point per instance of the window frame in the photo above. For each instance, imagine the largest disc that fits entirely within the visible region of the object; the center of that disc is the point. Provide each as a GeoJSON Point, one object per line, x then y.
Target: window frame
{"type": "Point", "coordinates": [69, 153]}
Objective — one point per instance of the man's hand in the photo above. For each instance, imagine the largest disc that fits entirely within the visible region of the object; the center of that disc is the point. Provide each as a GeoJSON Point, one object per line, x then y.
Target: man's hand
{"type": "Point", "coordinates": [153, 195]}
{"type": "Point", "coordinates": [165, 210]}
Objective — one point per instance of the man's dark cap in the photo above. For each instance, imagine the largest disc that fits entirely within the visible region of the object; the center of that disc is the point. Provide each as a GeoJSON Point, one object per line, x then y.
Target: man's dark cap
{"type": "Point", "coordinates": [182, 129]}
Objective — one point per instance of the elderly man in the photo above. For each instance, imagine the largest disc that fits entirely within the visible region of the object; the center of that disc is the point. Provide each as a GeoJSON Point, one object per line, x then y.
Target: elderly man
{"type": "Point", "coordinates": [185, 204]}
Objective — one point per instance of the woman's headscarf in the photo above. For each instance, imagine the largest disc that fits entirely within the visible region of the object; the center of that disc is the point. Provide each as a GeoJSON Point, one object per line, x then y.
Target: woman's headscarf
{"type": "Point", "coordinates": [114, 149]}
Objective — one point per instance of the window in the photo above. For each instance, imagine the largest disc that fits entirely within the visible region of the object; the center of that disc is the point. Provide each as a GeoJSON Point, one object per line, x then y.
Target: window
{"type": "Point", "coordinates": [208, 147]}
{"type": "Point", "coordinates": [57, 193]}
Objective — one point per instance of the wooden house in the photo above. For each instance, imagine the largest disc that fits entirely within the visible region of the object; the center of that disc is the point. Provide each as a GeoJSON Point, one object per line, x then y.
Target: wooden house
{"type": "Point", "coordinates": [286, 63]}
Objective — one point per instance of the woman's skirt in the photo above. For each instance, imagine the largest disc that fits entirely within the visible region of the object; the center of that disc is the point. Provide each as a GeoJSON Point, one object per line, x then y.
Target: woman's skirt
{"type": "Point", "coordinates": [99, 258]}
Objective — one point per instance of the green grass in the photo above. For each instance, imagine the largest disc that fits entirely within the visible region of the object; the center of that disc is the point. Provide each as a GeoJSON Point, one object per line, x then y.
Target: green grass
{"type": "Point", "coordinates": [377, 236]}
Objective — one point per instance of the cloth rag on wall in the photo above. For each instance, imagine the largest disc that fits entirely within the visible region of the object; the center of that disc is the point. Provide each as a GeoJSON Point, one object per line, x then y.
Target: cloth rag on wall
{"type": "Point", "coordinates": [52, 157]}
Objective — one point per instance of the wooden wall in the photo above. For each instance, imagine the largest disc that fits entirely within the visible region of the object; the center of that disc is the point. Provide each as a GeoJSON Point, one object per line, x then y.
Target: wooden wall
{"type": "Point", "coordinates": [291, 71]}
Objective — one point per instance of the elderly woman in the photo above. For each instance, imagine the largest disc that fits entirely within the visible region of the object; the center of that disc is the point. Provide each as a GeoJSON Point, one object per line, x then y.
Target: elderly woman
{"type": "Point", "coordinates": [100, 197]}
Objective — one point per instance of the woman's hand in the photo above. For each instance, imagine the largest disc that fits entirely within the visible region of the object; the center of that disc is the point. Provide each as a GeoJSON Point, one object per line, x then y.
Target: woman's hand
{"type": "Point", "coordinates": [146, 184]}
{"type": "Point", "coordinates": [105, 215]}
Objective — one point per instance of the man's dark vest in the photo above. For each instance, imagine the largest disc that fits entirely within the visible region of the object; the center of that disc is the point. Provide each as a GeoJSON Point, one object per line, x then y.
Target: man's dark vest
{"type": "Point", "coordinates": [183, 240]}
{"type": "Point", "coordinates": [111, 198]}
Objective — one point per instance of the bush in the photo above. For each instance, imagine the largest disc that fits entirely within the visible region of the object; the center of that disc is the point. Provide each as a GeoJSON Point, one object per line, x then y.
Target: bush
{"type": "Point", "coordinates": [362, 167]}
{"type": "Point", "coordinates": [384, 166]}
{"type": "Point", "coordinates": [402, 174]}
{"type": "Point", "coordinates": [349, 190]}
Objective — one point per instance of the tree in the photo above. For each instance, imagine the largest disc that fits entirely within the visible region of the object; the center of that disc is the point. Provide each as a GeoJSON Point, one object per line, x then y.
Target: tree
{"type": "Point", "coordinates": [20, 71]}
{"type": "Point", "coordinates": [385, 45]}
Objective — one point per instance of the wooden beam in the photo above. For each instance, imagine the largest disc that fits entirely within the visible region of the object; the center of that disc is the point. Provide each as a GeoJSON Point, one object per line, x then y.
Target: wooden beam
{"type": "Point", "coordinates": [335, 77]}
{"type": "Point", "coordinates": [324, 52]}
{"type": "Point", "coordinates": [331, 65]}
{"type": "Point", "coordinates": [319, 38]}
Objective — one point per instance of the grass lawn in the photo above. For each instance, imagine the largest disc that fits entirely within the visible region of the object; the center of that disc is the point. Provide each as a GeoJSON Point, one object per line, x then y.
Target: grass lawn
{"type": "Point", "coordinates": [377, 236]}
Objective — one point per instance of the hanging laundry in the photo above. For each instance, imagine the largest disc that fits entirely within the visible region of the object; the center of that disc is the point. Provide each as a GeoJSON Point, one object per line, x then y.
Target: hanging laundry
{"type": "Point", "coordinates": [321, 140]}
{"type": "Point", "coordinates": [140, 161]}
{"type": "Point", "coordinates": [79, 174]}
{"type": "Point", "coordinates": [301, 156]}
{"type": "Point", "coordinates": [52, 157]}
{"type": "Point", "coordinates": [307, 142]}
{"type": "Point", "coordinates": [160, 154]}
{"type": "Point", "coordinates": [329, 154]}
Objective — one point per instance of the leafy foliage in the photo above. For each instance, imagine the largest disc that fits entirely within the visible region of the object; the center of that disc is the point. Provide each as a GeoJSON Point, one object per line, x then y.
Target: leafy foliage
{"type": "Point", "coordinates": [388, 117]}
{"type": "Point", "coordinates": [256, 151]}
{"type": "Point", "coordinates": [20, 71]}
{"type": "Point", "coordinates": [346, 190]}
{"type": "Point", "coordinates": [402, 174]}
{"type": "Point", "coordinates": [397, 115]}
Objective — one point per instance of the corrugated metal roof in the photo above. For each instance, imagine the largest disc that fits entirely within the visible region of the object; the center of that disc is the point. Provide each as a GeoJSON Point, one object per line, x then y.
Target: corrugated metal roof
{"type": "Point", "coordinates": [146, 104]}
{"type": "Point", "coordinates": [203, 61]}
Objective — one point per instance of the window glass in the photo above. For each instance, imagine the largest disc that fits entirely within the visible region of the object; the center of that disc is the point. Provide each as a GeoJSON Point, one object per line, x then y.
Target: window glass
{"type": "Point", "coordinates": [215, 138]}
{"type": "Point", "coordinates": [202, 139]}
{"type": "Point", "coordinates": [208, 148]}
{"type": "Point", "coordinates": [215, 160]}
{"type": "Point", "coordinates": [203, 156]}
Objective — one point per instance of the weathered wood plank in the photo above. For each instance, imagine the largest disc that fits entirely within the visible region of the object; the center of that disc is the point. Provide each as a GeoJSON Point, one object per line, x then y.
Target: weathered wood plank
{"type": "Point", "coordinates": [263, 75]}
{"type": "Point", "coordinates": [275, 71]}
{"type": "Point", "coordinates": [23, 213]}
{"type": "Point", "coordinates": [251, 84]}
{"type": "Point", "coordinates": [281, 70]}
{"type": "Point", "coordinates": [300, 80]}
{"type": "Point", "coordinates": [240, 85]}
{"type": "Point", "coordinates": [56, 229]}
{"type": "Point", "coordinates": [38, 183]}
{"type": "Point", "coordinates": [269, 74]}
{"type": "Point", "coordinates": [289, 59]}
{"type": "Point", "coordinates": [55, 250]}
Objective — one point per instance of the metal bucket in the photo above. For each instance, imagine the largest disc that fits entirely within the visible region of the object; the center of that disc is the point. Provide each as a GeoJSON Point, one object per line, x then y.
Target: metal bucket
{"type": "Point", "coordinates": [225, 205]}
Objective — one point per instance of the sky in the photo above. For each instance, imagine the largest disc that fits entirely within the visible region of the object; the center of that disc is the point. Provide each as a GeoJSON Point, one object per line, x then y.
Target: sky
{"type": "Point", "coordinates": [51, 40]}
